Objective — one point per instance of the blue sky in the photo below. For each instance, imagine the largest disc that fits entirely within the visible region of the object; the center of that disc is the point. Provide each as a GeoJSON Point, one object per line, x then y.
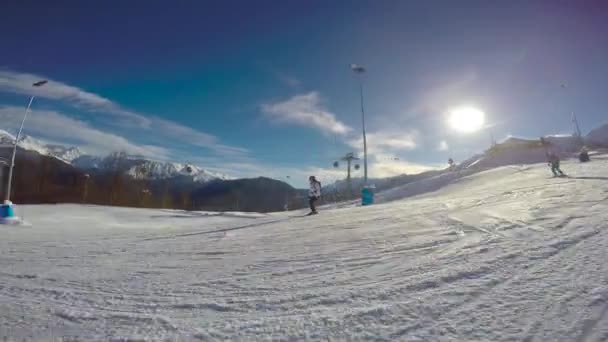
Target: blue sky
{"type": "Point", "coordinates": [264, 87]}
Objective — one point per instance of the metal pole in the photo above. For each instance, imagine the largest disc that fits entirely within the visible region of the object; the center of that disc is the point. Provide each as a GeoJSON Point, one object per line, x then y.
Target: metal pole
{"type": "Point", "coordinates": [364, 137]}
{"type": "Point", "coordinates": [2, 165]}
{"type": "Point", "coordinates": [12, 166]}
{"type": "Point", "coordinates": [348, 180]}
{"type": "Point", "coordinates": [358, 69]}
{"type": "Point", "coordinates": [348, 169]}
{"type": "Point", "coordinates": [576, 126]}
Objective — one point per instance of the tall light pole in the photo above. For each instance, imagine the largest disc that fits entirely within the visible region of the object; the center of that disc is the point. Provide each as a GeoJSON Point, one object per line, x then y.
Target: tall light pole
{"type": "Point", "coordinates": [3, 163]}
{"type": "Point", "coordinates": [12, 166]}
{"type": "Point", "coordinates": [358, 69]}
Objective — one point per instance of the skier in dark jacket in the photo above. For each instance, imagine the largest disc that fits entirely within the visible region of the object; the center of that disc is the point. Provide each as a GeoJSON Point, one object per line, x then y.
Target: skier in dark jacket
{"type": "Point", "coordinates": [583, 156]}
{"type": "Point", "coordinates": [313, 194]}
{"type": "Point", "coordinates": [553, 161]}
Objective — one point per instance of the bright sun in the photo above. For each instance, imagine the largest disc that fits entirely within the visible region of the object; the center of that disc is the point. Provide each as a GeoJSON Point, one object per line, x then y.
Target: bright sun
{"type": "Point", "coordinates": [466, 120]}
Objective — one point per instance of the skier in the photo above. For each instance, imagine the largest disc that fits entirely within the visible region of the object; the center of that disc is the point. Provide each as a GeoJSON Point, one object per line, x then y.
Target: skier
{"type": "Point", "coordinates": [451, 164]}
{"type": "Point", "coordinates": [313, 194]}
{"type": "Point", "coordinates": [553, 161]}
{"type": "Point", "coordinates": [583, 156]}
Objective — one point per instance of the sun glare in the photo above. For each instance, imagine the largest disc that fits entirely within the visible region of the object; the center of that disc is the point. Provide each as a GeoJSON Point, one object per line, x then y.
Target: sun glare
{"type": "Point", "coordinates": [466, 120]}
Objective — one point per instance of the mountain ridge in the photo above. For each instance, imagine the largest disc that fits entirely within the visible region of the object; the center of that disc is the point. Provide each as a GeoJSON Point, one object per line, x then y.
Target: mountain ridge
{"type": "Point", "coordinates": [135, 166]}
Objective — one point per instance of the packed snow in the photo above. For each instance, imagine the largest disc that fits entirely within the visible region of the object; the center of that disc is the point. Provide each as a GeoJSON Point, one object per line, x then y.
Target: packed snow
{"type": "Point", "coordinates": [508, 254]}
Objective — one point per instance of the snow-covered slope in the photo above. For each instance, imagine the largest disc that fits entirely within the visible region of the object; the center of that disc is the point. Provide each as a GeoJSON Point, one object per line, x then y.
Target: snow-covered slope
{"type": "Point", "coordinates": [517, 151]}
{"type": "Point", "coordinates": [508, 254]}
{"type": "Point", "coordinates": [599, 136]}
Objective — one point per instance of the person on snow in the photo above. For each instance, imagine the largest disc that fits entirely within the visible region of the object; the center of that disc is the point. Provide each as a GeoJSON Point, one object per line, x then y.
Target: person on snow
{"type": "Point", "coordinates": [313, 194]}
{"type": "Point", "coordinates": [451, 164]}
{"type": "Point", "coordinates": [553, 161]}
{"type": "Point", "coordinates": [583, 156]}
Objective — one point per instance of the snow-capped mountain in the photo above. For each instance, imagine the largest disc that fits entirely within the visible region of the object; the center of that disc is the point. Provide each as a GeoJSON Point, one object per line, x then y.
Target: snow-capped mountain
{"type": "Point", "coordinates": [148, 169]}
{"type": "Point", "coordinates": [142, 168]}
{"type": "Point", "coordinates": [66, 154]}
{"type": "Point", "coordinates": [137, 167]}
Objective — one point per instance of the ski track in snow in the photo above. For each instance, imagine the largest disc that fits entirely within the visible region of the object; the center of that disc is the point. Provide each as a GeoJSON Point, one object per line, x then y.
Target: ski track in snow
{"type": "Point", "coordinates": [504, 255]}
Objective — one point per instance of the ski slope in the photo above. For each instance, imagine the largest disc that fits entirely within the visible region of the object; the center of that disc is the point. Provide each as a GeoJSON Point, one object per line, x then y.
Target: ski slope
{"type": "Point", "coordinates": [509, 254]}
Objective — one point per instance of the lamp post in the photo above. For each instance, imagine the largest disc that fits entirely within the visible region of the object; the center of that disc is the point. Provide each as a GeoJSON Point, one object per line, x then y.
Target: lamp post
{"type": "Point", "coordinates": [3, 162]}
{"type": "Point", "coordinates": [12, 165]}
{"type": "Point", "coordinates": [358, 69]}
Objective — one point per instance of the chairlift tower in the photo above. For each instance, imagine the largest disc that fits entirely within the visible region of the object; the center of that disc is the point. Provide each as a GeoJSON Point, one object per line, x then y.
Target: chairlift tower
{"type": "Point", "coordinates": [348, 158]}
{"type": "Point", "coordinates": [577, 129]}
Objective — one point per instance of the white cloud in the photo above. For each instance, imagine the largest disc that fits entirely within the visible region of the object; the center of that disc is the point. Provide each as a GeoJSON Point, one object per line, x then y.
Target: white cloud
{"type": "Point", "coordinates": [193, 137]}
{"type": "Point", "coordinates": [443, 146]}
{"type": "Point", "coordinates": [305, 110]}
{"type": "Point", "coordinates": [21, 83]}
{"type": "Point", "coordinates": [57, 127]}
{"type": "Point", "coordinates": [381, 168]}
{"type": "Point", "coordinates": [377, 168]}
{"type": "Point", "coordinates": [384, 148]}
{"type": "Point", "coordinates": [381, 142]}
{"type": "Point", "coordinates": [288, 80]}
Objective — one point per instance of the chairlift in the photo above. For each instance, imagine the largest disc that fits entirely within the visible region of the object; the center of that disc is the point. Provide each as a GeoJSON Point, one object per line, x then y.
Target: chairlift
{"type": "Point", "coordinates": [357, 166]}
{"type": "Point", "coordinates": [336, 164]}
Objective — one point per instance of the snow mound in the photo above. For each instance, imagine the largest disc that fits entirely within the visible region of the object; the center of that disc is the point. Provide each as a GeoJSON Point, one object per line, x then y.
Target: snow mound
{"type": "Point", "coordinates": [521, 151]}
{"type": "Point", "coordinates": [598, 136]}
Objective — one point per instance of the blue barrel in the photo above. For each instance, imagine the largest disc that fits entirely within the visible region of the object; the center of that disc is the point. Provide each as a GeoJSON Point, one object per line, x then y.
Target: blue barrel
{"type": "Point", "coordinates": [367, 196]}
{"type": "Point", "coordinates": [6, 210]}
